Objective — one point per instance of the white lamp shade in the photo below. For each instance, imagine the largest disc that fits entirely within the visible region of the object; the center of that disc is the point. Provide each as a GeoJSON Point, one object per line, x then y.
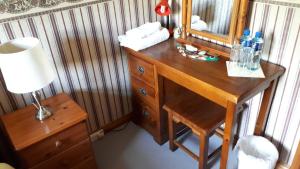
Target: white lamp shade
{"type": "Point", "coordinates": [24, 65]}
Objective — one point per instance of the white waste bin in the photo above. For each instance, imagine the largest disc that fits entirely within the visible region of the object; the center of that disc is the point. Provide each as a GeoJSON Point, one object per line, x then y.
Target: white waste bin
{"type": "Point", "coordinates": [255, 152]}
{"type": "Point", "coordinates": [5, 166]}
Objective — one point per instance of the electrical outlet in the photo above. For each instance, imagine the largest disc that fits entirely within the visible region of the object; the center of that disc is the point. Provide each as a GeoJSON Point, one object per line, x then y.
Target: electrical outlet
{"type": "Point", "coordinates": [97, 135]}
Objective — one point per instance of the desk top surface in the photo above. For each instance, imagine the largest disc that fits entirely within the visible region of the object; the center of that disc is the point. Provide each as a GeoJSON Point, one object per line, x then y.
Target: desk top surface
{"type": "Point", "coordinates": [210, 76]}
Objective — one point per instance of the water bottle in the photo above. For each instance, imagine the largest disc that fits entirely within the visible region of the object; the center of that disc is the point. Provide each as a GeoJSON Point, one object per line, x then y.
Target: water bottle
{"type": "Point", "coordinates": [246, 40]}
{"type": "Point", "coordinates": [257, 45]}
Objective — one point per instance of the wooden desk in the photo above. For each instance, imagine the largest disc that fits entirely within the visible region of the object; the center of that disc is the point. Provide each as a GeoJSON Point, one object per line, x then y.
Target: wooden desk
{"type": "Point", "coordinates": [210, 80]}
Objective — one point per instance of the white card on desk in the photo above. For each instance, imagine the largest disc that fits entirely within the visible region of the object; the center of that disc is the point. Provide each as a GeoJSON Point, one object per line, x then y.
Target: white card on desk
{"type": "Point", "coordinates": [236, 71]}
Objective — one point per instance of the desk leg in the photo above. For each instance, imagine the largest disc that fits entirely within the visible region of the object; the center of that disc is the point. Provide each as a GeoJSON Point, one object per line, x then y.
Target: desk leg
{"type": "Point", "coordinates": [296, 161]}
{"type": "Point", "coordinates": [265, 109]}
{"type": "Point", "coordinates": [231, 115]}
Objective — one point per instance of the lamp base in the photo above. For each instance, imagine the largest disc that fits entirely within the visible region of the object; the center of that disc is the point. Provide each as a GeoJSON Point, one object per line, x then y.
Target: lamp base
{"type": "Point", "coordinates": [43, 113]}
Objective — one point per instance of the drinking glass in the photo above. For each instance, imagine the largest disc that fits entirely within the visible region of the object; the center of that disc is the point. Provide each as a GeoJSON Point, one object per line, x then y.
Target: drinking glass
{"type": "Point", "coordinates": [235, 54]}
{"type": "Point", "coordinates": [245, 57]}
{"type": "Point", "coordinates": [254, 62]}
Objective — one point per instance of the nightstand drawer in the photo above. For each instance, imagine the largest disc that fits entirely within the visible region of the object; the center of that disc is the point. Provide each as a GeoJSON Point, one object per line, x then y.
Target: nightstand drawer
{"type": "Point", "coordinates": [143, 92]}
{"type": "Point", "coordinates": [70, 158]}
{"type": "Point", "coordinates": [142, 70]}
{"type": "Point", "coordinates": [53, 145]}
{"type": "Point", "coordinates": [90, 163]}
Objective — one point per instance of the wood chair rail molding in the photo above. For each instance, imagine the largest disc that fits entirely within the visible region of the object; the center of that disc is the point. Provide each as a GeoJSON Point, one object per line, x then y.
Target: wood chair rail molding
{"type": "Point", "coordinates": [237, 23]}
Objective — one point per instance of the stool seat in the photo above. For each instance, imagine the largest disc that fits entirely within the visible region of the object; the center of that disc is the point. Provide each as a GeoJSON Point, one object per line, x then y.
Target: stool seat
{"type": "Point", "coordinates": [200, 115]}
{"type": "Point", "coordinates": [197, 113]}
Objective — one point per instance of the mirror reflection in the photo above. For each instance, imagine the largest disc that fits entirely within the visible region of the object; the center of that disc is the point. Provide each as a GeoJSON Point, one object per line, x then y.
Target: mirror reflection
{"type": "Point", "coordinates": [212, 15]}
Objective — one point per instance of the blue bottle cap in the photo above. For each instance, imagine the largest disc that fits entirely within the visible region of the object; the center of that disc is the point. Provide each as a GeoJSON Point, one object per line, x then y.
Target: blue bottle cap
{"type": "Point", "coordinates": [246, 32]}
{"type": "Point", "coordinates": [258, 34]}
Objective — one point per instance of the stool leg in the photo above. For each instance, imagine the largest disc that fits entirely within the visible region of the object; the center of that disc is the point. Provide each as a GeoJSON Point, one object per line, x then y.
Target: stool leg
{"type": "Point", "coordinates": [172, 132]}
{"type": "Point", "coordinates": [203, 157]}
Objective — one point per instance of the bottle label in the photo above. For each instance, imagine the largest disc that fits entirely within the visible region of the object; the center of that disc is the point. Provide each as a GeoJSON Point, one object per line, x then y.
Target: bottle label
{"type": "Point", "coordinates": [246, 43]}
{"type": "Point", "coordinates": [257, 46]}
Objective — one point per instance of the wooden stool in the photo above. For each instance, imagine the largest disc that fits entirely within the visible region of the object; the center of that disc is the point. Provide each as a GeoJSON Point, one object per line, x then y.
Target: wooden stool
{"type": "Point", "coordinates": [200, 115]}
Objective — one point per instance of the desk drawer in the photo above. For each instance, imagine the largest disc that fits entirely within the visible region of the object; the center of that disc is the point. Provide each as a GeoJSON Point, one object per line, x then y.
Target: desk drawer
{"type": "Point", "coordinates": [143, 92]}
{"type": "Point", "coordinates": [142, 70]}
{"type": "Point", "coordinates": [53, 145]}
{"type": "Point", "coordinates": [70, 158]}
{"type": "Point", "coordinates": [145, 116]}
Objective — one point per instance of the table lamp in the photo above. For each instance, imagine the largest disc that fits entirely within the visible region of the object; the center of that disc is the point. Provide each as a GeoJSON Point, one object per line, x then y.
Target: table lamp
{"type": "Point", "coordinates": [25, 69]}
{"type": "Point", "coordinates": [163, 9]}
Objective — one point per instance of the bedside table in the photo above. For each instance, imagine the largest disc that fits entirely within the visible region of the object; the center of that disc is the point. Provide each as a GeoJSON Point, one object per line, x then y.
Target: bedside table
{"type": "Point", "coordinates": [59, 142]}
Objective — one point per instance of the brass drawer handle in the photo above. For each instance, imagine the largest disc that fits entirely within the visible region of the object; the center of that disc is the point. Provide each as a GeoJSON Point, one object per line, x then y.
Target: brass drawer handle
{"type": "Point", "coordinates": [141, 70]}
{"type": "Point", "coordinates": [143, 91]}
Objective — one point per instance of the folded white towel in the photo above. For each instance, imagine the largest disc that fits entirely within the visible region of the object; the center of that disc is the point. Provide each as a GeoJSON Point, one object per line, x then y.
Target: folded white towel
{"type": "Point", "coordinates": [144, 30]}
{"type": "Point", "coordinates": [143, 43]}
{"type": "Point", "coordinates": [199, 25]}
{"type": "Point", "coordinates": [195, 18]}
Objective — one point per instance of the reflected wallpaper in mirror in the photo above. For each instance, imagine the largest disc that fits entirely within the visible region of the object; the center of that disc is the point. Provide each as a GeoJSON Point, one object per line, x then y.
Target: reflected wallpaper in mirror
{"type": "Point", "coordinates": [212, 15]}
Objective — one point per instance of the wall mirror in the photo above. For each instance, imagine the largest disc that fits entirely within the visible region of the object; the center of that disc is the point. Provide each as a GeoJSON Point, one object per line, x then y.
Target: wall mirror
{"type": "Point", "coordinates": [221, 20]}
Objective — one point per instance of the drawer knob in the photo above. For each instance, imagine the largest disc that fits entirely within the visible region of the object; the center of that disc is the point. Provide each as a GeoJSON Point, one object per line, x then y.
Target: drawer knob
{"type": "Point", "coordinates": [143, 91]}
{"type": "Point", "coordinates": [141, 70]}
{"type": "Point", "coordinates": [58, 143]}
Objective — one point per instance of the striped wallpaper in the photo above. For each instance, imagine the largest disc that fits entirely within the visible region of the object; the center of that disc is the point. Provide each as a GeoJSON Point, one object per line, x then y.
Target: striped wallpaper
{"type": "Point", "coordinates": [82, 44]}
{"type": "Point", "coordinates": [281, 27]}
{"type": "Point", "coordinates": [216, 13]}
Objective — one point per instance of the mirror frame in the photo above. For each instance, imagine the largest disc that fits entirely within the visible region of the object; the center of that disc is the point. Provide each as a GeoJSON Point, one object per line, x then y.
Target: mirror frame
{"type": "Point", "coordinates": [237, 23]}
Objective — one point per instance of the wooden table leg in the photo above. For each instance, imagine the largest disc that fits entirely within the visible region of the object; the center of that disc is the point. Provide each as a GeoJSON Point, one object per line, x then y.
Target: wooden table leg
{"type": "Point", "coordinates": [296, 160]}
{"type": "Point", "coordinates": [231, 115]}
{"type": "Point", "coordinates": [265, 109]}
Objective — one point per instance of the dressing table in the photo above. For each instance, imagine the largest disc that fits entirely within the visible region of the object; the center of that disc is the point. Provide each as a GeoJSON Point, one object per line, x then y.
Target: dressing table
{"type": "Point", "coordinates": [159, 72]}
